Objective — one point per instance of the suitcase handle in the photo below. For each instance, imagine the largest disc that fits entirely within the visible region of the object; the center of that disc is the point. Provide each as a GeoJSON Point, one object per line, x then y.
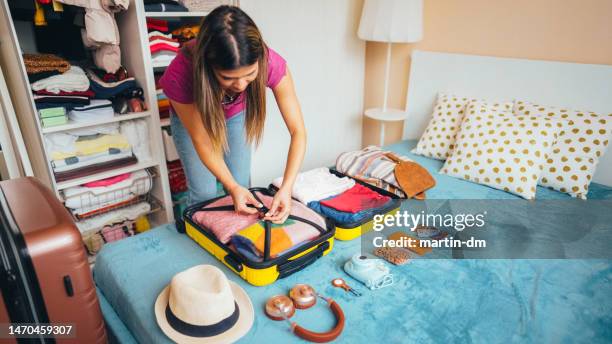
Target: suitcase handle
{"type": "Point", "coordinates": [291, 266]}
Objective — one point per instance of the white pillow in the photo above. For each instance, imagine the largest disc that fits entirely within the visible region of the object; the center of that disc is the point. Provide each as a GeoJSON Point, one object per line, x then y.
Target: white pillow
{"type": "Point", "coordinates": [574, 157]}
{"type": "Point", "coordinates": [502, 150]}
{"type": "Point", "coordinates": [438, 139]}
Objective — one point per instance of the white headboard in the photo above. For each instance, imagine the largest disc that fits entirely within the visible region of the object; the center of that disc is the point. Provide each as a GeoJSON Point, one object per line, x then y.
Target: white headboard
{"type": "Point", "coordinates": [572, 85]}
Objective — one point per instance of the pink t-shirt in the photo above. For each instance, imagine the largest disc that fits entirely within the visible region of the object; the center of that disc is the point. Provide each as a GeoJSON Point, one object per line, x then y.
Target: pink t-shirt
{"type": "Point", "coordinates": [177, 81]}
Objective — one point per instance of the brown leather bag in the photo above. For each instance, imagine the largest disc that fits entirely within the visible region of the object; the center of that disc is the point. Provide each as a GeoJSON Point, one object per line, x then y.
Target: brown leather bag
{"type": "Point", "coordinates": [412, 177]}
{"type": "Point", "coordinates": [44, 260]}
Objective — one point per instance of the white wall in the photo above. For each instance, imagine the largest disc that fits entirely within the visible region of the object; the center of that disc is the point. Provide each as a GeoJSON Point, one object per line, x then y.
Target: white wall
{"type": "Point", "coordinates": [318, 38]}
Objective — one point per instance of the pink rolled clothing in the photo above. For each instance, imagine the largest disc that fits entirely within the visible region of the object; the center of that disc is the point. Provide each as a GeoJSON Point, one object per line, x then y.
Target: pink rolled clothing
{"type": "Point", "coordinates": [224, 224]}
{"type": "Point", "coordinates": [177, 81]}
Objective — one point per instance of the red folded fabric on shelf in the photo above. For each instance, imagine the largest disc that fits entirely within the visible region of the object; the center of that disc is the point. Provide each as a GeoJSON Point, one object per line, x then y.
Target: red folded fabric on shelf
{"type": "Point", "coordinates": [88, 93]}
{"type": "Point", "coordinates": [162, 47]}
{"type": "Point", "coordinates": [108, 181]}
{"type": "Point", "coordinates": [162, 38]}
{"type": "Point", "coordinates": [356, 199]}
{"type": "Point", "coordinates": [157, 24]}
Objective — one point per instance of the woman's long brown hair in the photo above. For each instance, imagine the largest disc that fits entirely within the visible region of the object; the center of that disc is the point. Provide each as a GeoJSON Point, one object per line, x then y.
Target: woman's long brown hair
{"type": "Point", "coordinates": [228, 39]}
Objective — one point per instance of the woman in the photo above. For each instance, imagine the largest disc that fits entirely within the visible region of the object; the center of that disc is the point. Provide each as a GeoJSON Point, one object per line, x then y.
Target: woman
{"type": "Point", "coordinates": [217, 90]}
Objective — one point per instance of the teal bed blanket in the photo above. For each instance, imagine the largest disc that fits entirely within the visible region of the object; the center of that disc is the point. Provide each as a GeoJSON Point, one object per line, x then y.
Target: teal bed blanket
{"type": "Point", "coordinates": [432, 301]}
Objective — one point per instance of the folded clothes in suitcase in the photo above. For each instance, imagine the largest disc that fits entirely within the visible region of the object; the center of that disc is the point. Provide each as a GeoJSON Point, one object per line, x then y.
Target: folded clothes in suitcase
{"type": "Point", "coordinates": [352, 225]}
{"type": "Point", "coordinates": [259, 251]}
{"type": "Point", "coordinates": [46, 278]}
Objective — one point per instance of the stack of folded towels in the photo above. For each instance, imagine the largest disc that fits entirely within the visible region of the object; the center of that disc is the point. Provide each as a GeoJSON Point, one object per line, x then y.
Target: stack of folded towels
{"type": "Point", "coordinates": [338, 198]}
{"type": "Point", "coordinates": [246, 233]}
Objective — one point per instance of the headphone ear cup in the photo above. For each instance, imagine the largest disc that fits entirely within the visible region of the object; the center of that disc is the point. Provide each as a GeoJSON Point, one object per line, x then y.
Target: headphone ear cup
{"type": "Point", "coordinates": [303, 296]}
{"type": "Point", "coordinates": [279, 307]}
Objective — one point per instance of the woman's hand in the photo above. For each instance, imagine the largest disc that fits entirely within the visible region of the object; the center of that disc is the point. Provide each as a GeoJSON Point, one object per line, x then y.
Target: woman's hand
{"type": "Point", "coordinates": [242, 198]}
{"type": "Point", "coordinates": [281, 206]}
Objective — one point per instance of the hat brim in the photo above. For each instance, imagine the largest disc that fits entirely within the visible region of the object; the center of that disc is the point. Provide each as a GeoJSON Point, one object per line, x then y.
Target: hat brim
{"type": "Point", "coordinates": [242, 326]}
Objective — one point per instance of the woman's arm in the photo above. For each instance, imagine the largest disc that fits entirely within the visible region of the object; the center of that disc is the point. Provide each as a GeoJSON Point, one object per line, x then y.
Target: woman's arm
{"type": "Point", "coordinates": [214, 161]}
{"type": "Point", "coordinates": [290, 109]}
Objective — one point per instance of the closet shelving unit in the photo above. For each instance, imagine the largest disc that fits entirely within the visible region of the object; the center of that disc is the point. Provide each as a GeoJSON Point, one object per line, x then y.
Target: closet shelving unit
{"type": "Point", "coordinates": [148, 64]}
{"type": "Point", "coordinates": [137, 61]}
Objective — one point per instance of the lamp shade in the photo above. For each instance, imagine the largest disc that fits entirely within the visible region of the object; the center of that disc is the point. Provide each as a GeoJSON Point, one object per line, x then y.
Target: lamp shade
{"type": "Point", "coordinates": [392, 21]}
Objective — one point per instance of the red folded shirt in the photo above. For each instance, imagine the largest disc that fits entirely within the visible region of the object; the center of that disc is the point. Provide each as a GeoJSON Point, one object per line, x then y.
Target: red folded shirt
{"type": "Point", "coordinates": [356, 199]}
{"type": "Point", "coordinates": [162, 47]}
{"type": "Point", "coordinates": [157, 24]}
{"type": "Point", "coordinates": [88, 93]}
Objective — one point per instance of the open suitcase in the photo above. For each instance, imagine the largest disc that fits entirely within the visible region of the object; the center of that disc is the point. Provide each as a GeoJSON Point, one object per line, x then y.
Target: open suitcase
{"type": "Point", "coordinates": [264, 272]}
{"type": "Point", "coordinates": [269, 269]}
{"type": "Point", "coordinates": [46, 277]}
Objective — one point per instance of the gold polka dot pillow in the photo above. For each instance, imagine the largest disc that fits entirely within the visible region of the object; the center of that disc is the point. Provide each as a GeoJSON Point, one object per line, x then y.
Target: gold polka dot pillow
{"type": "Point", "coordinates": [502, 150]}
{"type": "Point", "coordinates": [574, 157]}
{"type": "Point", "coordinates": [438, 139]}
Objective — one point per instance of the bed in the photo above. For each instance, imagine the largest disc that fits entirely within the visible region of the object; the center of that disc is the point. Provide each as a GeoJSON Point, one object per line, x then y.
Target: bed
{"type": "Point", "coordinates": [433, 300]}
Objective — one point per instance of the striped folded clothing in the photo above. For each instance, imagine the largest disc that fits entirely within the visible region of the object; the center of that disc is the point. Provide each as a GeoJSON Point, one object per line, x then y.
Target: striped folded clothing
{"type": "Point", "coordinates": [371, 165]}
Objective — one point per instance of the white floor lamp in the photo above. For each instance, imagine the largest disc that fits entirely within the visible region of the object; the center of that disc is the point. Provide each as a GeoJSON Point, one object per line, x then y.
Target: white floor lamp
{"type": "Point", "coordinates": [390, 21]}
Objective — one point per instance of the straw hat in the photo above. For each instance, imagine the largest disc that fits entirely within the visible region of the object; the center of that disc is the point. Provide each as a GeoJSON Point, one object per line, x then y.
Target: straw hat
{"type": "Point", "coordinates": [200, 305]}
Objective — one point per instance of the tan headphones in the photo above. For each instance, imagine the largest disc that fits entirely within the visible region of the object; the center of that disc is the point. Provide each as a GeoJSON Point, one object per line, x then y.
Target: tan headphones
{"type": "Point", "coordinates": [302, 296]}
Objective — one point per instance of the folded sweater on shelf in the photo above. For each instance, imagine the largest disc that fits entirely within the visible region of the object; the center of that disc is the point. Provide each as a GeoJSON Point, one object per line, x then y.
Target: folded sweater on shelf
{"type": "Point", "coordinates": [36, 63]}
{"type": "Point", "coordinates": [95, 168]}
{"type": "Point", "coordinates": [128, 213]}
{"type": "Point", "coordinates": [106, 90]}
{"type": "Point", "coordinates": [59, 100]}
{"type": "Point", "coordinates": [317, 184]}
{"type": "Point", "coordinates": [72, 80]}
{"type": "Point", "coordinates": [88, 93]}
{"type": "Point", "coordinates": [79, 162]}
{"type": "Point", "coordinates": [138, 183]}
{"type": "Point", "coordinates": [65, 145]}
{"type": "Point", "coordinates": [98, 109]}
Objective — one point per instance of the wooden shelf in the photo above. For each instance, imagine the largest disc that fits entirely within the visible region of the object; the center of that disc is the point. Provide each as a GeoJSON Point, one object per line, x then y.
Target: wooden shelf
{"type": "Point", "coordinates": [106, 174]}
{"type": "Point", "coordinates": [175, 14]}
{"type": "Point", "coordinates": [77, 125]}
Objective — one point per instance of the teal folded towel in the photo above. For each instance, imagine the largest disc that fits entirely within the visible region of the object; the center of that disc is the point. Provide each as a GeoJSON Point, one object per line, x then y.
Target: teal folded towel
{"type": "Point", "coordinates": [52, 112]}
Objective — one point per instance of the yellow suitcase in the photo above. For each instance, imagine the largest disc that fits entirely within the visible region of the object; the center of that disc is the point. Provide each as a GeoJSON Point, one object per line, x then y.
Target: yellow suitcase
{"type": "Point", "coordinates": [260, 273]}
